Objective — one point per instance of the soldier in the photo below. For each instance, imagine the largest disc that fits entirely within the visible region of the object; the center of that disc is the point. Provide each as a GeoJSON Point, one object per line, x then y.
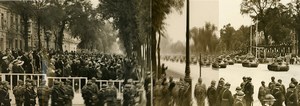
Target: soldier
{"type": "Point", "coordinates": [269, 100]}
{"type": "Point", "coordinates": [239, 97]}
{"type": "Point", "coordinates": [94, 85]}
{"type": "Point", "coordinates": [69, 93]}
{"type": "Point", "coordinates": [128, 94]}
{"type": "Point", "coordinates": [277, 93]}
{"type": "Point", "coordinates": [282, 88]}
{"type": "Point", "coordinates": [183, 94]}
{"type": "Point", "coordinates": [101, 96]}
{"type": "Point", "coordinates": [57, 95]}
{"type": "Point", "coordinates": [212, 94]}
{"type": "Point", "coordinates": [272, 83]}
{"type": "Point", "coordinates": [200, 92]}
{"type": "Point", "coordinates": [263, 91]}
{"type": "Point", "coordinates": [219, 89]}
{"type": "Point", "coordinates": [157, 93]}
{"type": "Point", "coordinates": [111, 94]}
{"type": "Point", "coordinates": [18, 92]}
{"type": "Point", "coordinates": [244, 82]}
{"type": "Point", "coordinates": [90, 98]}
{"type": "Point", "coordinates": [226, 98]}
{"type": "Point", "coordinates": [249, 91]}
{"type": "Point", "coordinates": [4, 95]}
{"type": "Point", "coordinates": [291, 96]}
{"type": "Point", "coordinates": [43, 93]}
{"type": "Point", "coordinates": [29, 95]}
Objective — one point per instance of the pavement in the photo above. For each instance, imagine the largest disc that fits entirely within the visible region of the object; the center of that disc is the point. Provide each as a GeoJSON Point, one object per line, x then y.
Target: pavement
{"type": "Point", "coordinates": [233, 74]}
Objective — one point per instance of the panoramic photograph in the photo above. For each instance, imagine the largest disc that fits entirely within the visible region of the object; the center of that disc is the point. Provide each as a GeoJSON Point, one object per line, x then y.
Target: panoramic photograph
{"type": "Point", "coordinates": [149, 52]}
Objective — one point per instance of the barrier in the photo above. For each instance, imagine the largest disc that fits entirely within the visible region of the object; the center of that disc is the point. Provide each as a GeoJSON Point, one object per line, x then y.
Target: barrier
{"type": "Point", "coordinates": [76, 81]}
{"type": "Point", "coordinates": [116, 83]}
{"type": "Point", "coordinates": [12, 78]}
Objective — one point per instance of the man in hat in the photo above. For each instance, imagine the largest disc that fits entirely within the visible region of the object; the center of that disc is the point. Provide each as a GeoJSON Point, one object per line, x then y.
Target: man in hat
{"type": "Point", "coordinates": [262, 92]}
{"type": "Point", "coordinates": [282, 88]}
{"type": "Point", "coordinates": [226, 98]}
{"type": "Point", "coordinates": [200, 92]}
{"type": "Point", "coordinates": [212, 94]}
{"type": "Point", "coordinates": [57, 95]}
{"type": "Point", "coordinates": [94, 84]}
{"type": "Point", "coordinates": [90, 98]}
{"type": "Point", "coordinates": [244, 82]}
{"type": "Point", "coordinates": [291, 96]}
{"type": "Point", "coordinates": [43, 93]}
{"type": "Point", "coordinates": [249, 91]}
{"type": "Point", "coordinates": [18, 92]}
{"type": "Point", "coordinates": [29, 95]}
{"type": "Point", "coordinates": [272, 83]}
{"type": "Point", "coordinates": [239, 97]}
{"type": "Point", "coordinates": [69, 93]}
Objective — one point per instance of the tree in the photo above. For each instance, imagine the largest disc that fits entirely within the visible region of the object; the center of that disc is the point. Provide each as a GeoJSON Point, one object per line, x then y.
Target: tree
{"type": "Point", "coordinates": [205, 38]}
{"type": "Point", "coordinates": [257, 11]}
{"type": "Point", "coordinates": [227, 35]}
{"type": "Point", "coordinates": [24, 9]}
{"type": "Point", "coordinates": [160, 9]}
{"type": "Point", "coordinates": [294, 10]}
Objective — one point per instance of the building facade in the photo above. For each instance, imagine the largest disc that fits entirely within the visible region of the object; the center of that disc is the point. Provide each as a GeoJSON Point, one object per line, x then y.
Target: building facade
{"type": "Point", "coordinates": [11, 37]}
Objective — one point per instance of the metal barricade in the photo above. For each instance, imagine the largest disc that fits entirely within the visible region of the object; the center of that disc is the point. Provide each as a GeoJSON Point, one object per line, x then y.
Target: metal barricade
{"type": "Point", "coordinates": [12, 78]}
{"type": "Point", "coordinates": [117, 83]}
{"type": "Point", "coordinates": [77, 82]}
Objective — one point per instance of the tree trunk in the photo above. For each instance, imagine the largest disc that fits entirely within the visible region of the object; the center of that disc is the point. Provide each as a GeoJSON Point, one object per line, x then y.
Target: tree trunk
{"type": "Point", "coordinates": [39, 32]}
{"type": "Point", "coordinates": [153, 53]}
{"type": "Point", "coordinates": [60, 37]}
{"type": "Point", "coordinates": [298, 39]}
{"type": "Point", "coordinates": [25, 33]}
{"type": "Point", "coordinates": [158, 56]}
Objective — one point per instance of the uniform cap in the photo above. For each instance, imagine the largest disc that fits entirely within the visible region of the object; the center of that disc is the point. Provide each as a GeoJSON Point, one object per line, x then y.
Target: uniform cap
{"type": "Point", "coordinates": [240, 93]}
{"type": "Point", "coordinates": [227, 84]}
{"type": "Point", "coordinates": [269, 97]}
{"type": "Point", "coordinates": [292, 85]}
{"type": "Point", "coordinates": [238, 88]}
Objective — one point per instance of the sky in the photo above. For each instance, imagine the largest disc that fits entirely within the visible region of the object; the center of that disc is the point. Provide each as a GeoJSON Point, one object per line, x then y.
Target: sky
{"type": "Point", "coordinates": [217, 12]}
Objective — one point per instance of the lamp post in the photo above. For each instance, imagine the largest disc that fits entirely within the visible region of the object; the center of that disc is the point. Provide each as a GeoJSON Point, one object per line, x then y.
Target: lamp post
{"type": "Point", "coordinates": [187, 62]}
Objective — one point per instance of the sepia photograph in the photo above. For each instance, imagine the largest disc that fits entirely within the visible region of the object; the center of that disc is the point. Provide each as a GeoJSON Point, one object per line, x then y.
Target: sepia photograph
{"type": "Point", "coordinates": [149, 52]}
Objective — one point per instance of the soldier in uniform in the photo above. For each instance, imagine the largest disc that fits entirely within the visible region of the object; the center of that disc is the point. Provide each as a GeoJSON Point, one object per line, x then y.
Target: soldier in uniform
{"type": "Point", "coordinates": [94, 85]}
{"type": "Point", "coordinates": [282, 88]}
{"type": "Point", "coordinates": [43, 93]}
{"type": "Point", "coordinates": [277, 93]}
{"type": "Point", "coordinates": [101, 96]}
{"type": "Point", "coordinates": [249, 91]}
{"type": "Point", "coordinates": [57, 95]}
{"type": "Point", "coordinates": [212, 94]}
{"type": "Point", "coordinates": [129, 94]}
{"type": "Point", "coordinates": [29, 95]}
{"type": "Point", "coordinates": [90, 98]}
{"type": "Point", "coordinates": [263, 91]}
{"type": "Point", "coordinates": [219, 89]}
{"type": "Point", "coordinates": [244, 82]}
{"type": "Point", "coordinates": [291, 96]}
{"type": "Point", "coordinates": [4, 95]}
{"type": "Point", "coordinates": [18, 92]}
{"type": "Point", "coordinates": [272, 83]}
{"type": "Point", "coordinates": [111, 94]}
{"type": "Point", "coordinates": [69, 93]}
{"type": "Point", "coordinates": [200, 92]}
{"type": "Point", "coordinates": [226, 98]}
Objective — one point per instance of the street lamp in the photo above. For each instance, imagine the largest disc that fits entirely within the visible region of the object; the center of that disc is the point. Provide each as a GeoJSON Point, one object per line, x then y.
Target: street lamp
{"type": "Point", "coordinates": [47, 38]}
{"type": "Point", "coordinates": [187, 62]}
